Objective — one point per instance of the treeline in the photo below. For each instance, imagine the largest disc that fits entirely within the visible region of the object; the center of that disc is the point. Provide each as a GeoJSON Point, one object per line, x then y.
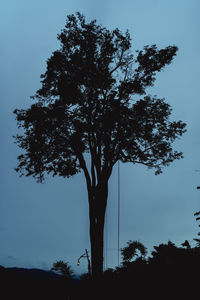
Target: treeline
{"type": "Point", "coordinates": [170, 272]}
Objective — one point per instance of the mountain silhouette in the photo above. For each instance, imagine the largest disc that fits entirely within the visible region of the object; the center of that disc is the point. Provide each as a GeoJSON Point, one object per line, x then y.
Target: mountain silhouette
{"type": "Point", "coordinates": [21, 283]}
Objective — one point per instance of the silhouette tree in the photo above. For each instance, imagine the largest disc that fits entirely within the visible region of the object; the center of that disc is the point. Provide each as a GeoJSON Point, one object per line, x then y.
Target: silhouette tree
{"type": "Point", "coordinates": [63, 268]}
{"type": "Point", "coordinates": [164, 254]}
{"type": "Point", "coordinates": [85, 117]}
{"type": "Point", "coordinates": [131, 251]}
{"type": "Point", "coordinates": [186, 244]}
{"type": "Point", "coordinates": [175, 258]}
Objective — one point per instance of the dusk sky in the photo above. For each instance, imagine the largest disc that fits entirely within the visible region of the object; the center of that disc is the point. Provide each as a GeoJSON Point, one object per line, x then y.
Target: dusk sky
{"type": "Point", "coordinates": [43, 223]}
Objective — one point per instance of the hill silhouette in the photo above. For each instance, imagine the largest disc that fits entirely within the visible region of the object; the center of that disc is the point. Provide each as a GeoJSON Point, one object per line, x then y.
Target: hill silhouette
{"type": "Point", "coordinates": [20, 283]}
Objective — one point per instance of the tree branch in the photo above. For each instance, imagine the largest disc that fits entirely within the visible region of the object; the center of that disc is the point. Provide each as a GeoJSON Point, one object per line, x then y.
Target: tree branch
{"type": "Point", "coordinates": [119, 63]}
{"type": "Point", "coordinates": [85, 170]}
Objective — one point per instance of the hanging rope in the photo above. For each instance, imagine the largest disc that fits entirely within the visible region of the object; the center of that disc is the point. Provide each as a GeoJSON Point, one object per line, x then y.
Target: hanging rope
{"type": "Point", "coordinates": [118, 217]}
{"type": "Point", "coordinates": [105, 243]}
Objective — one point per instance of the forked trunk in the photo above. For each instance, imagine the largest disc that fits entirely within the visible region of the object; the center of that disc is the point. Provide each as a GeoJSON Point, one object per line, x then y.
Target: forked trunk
{"type": "Point", "coordinates": [97, 209]}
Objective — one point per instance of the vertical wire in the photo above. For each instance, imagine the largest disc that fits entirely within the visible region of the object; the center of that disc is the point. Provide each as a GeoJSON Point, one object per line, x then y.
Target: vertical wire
{"type": "Point", "coordinates": [104, 257]}
{"type": "Point", "coordinates": [118, 217]}
{"type": "Point", "coordinates": [105, 242]}
{"type": "Point", "coordinates": [104, 246]}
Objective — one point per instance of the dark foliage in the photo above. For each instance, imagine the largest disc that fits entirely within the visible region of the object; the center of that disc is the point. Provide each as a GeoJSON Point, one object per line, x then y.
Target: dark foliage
{"type": "Point", "coordinates": [86, 104]}
{"type": "Point", "coordinates": [35, 284]}
{"type": "Point", "coordinates": [178, 257]}
{"type": "Point", "coordinates": [171, 272]}
{"type": "Point", "coordinates": [130, 251]}
{"type": "Point", "coordinates": [63, 268]}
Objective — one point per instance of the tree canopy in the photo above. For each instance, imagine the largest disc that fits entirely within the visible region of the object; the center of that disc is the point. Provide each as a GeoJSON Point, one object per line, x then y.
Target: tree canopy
{"type": "Point", "coordinates": [130, 251]}
{"type": "Point", "coordinates": [87, 104]}
{"type": "Point", "coordinates": [63, 268]}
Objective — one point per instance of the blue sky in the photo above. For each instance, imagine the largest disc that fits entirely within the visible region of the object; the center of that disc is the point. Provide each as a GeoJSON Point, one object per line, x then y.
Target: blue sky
{"type": "Point", "coordinates": [41, 223]}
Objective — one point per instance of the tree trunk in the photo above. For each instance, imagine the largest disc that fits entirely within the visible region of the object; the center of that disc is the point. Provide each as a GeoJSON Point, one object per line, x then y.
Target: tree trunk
{"type": "Point", "coordinates": [97, 208]}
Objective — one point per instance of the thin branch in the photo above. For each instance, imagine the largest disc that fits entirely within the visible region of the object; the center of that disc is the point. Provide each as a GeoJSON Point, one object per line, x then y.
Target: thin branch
{"type": "Point", "coordinates": [119, 63]}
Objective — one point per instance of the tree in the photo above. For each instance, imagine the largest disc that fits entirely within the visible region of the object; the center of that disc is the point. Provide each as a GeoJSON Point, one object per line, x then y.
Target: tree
{"type": "Point", "coordinates": [164, 254]}
{"type": "Point", "coordinates": [186, 244]}
{"type": "Point", "coordinates": [85, 117]}
{"type": "Point", "coordinates": [130, 251]}
{"type": "Point", "coordinates": [63, 268]}
{"type": "Point", "coordinates": [178, 258]}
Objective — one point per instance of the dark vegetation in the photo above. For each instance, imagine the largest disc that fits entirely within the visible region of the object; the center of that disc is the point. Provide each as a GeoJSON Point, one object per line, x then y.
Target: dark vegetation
{"type": "Point", "coordinates": [17, 283]}
{"type": "Point", "coordinates": [63, 268]}
{"type": "Point", "coordinates": [170, 272]}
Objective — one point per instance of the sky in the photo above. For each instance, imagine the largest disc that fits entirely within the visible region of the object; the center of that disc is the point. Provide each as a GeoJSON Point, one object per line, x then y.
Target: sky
{"type": "Point", "coordinates": [43, 223]}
